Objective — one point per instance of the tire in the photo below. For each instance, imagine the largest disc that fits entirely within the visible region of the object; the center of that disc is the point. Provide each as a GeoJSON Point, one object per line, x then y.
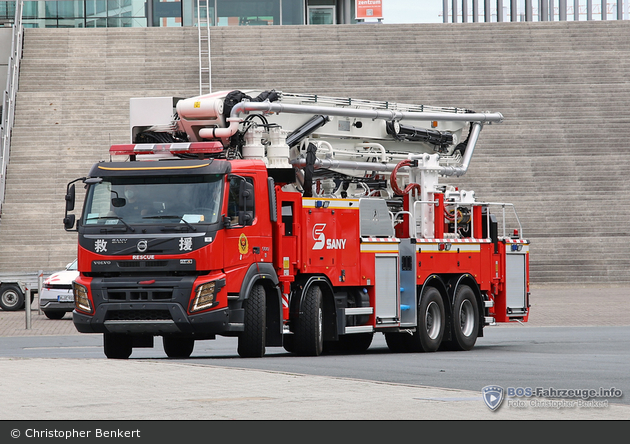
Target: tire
{"type": "Point", "coordinates": [251, 342]}
{"type": "Point", "coordinates": [288, 342]}
{"type": "Point", "coordinates": [355, 343]}
{"type": "Point", "coordinates": [11, 298]}
{"type": "Point", "coordinates": [309, 329]}
{"type": "Point", "coordinates": [431, 322]}
{"type": "Point", "coordinates": [465, 325]}
{"type": "Point", "coordinates": [54, 314]}
{"type": "Point", "coordinates": [180, 348]}
{"type": "Point", "coordinates": [398, 342]}
{"type": "Point", "coordinates": [117, 346]}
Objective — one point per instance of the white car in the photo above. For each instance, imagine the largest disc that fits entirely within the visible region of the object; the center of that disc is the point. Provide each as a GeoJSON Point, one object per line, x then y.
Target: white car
{"type": "Point", "coordinates": [56, 298]}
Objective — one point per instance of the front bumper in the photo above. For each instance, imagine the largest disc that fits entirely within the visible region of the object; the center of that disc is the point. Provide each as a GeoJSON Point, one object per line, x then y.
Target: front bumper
{"type": "Point", "coordinates": [50, 300]}
{"type": "Point", "coordinates": [142, 318]}
{"type": "Point", "coordinates": [56, 306]}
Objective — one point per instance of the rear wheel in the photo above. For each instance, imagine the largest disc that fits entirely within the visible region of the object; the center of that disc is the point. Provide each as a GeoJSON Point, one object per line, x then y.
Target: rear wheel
{"type": "Point", "coordinates": [117, 346]}
{"type": "Point", "coordinates": [309, 329]}
{"type": "Point", "coordinates": [398, 342]}
{"type": "Point", "coordinates": [431, 321]}
{"type": "Point", "coordinates": [54, 314]}
{"type": "Point", "coordinates": [465, 319]}
{"type": "Point", "coordinates": [288, 342]}
{"type": "Point", "coordinates": [11, 298]}
{"type": "Point", "coordinates": [251, 342]}
{"type": "Point", "coordinates": [175, 347]}
{"type": "Point", "coordinates": [355, 343]}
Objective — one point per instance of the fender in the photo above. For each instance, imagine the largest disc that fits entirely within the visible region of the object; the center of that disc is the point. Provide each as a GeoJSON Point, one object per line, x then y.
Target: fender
{"type": "Point", "coordinates": [437, 282]}
{"type": "Point", "coordinates": [257, 271]}
{"type": "Point", "coordinates": [330, 314]}
{"type": "Point", "coordinates": [265, 274]}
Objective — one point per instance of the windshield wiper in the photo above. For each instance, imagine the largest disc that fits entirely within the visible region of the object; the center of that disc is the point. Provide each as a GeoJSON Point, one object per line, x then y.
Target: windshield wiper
{"type": "Point", "coordinates": [132, 229]}
{"type": "Point", "coordinates": [181, 219]}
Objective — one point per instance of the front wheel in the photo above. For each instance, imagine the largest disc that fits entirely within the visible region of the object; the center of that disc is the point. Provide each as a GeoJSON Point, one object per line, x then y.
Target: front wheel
{"type": "Point", "coordinates": [180, 348]}
{"type": "Point", "coordinates": [117, 346]}
{"type": "Point", "coordinates": [465, 319]}
{"type": "Point", "coordinates": [251, 342]}
{"type": "Point", "coordinates": [11, 298]}
{"type": "Point", "coordinates": [309, 329]}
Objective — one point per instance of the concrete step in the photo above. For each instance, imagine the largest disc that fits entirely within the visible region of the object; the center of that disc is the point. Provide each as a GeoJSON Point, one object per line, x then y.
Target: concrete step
{"type": "Point", "coordinates": [559, 156]}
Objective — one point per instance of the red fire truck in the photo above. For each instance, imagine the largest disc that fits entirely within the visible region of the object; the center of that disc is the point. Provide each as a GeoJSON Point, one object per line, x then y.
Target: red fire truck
{"type": "Point", "coordinates": [293, 220]}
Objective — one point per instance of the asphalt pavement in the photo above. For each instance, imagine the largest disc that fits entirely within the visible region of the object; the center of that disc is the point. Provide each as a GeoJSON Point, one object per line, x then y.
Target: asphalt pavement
{"type": "Point", "coordinates": [102, 389]}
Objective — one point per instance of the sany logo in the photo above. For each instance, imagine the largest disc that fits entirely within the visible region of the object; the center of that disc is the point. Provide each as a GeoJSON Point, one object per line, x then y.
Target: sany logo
{"type": "Point", "coordinates": [321, 241]}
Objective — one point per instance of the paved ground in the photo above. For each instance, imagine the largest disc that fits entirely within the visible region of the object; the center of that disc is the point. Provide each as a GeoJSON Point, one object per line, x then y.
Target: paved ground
{"type": "Point", "coordinates": [153, 390]}
{"type": "Point", "coordinates": [550, 306]}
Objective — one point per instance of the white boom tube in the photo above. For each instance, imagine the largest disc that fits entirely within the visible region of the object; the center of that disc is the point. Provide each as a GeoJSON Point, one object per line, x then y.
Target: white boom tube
{"type": "Point", "coordinates": [245, 107]}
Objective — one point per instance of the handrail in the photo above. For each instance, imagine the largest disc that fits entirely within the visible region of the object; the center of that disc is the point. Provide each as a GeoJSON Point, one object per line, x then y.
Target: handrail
{"type": "Point", "coordinates": [479, 204]}
{"type": "Point", "coordinates": [9, 95]}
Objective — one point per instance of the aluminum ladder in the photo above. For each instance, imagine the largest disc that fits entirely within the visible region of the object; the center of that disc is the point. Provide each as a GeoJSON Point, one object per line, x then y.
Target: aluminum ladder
{"type": "Point", "coordinates": [203, 28]}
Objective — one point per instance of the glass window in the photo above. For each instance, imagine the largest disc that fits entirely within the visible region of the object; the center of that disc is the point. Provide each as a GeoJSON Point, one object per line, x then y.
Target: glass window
{"type": "Point", "coordinates": [321, 15]}
{"type": "Point", "coordinates": [51, 9]}
{"type": "Point", "coordinates": [292, 12]}
{"type": "Point", "coordinates": [155, 200]}
{"type": "Point", "coordinates": [167, 13]}
{"type": "Point", "coordinates": [234, 198]}
{"type": "Point", "coordinates": [248, 12]}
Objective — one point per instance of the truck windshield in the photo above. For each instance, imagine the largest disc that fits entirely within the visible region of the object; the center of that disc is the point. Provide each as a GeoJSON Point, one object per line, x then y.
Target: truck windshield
{"type": "Point", "coordinates": [154, 200]}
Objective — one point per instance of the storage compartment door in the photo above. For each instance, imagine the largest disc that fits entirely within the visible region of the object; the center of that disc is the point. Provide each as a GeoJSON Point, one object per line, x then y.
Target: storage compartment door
{"type": "Point", "coordinates": [386, 289]}
{"type": "Point", "coordinates": [515, 284]}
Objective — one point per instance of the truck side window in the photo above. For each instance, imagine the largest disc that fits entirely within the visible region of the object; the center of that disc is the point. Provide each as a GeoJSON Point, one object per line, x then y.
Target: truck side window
{"type": "Point", "coordinates": [287, 218]}
{"type": "Point", "coordinates": [233, 198]}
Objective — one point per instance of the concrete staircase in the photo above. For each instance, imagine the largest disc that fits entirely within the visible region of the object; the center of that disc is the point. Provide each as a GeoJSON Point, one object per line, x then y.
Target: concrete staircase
{"type": "Point", "coordinates": [73, 102]}
{"type": "Point", "coordinates": [560, 156]}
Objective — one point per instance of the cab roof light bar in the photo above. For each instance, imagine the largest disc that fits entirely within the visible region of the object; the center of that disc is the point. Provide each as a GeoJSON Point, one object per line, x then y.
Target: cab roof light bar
{"type": "Point", "coordinates": [173, 148]}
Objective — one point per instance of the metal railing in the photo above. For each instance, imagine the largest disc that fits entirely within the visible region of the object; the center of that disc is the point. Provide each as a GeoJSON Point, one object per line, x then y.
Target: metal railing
{"type": "Point", "coordinates": [504, 217]}
{"type": "Point", "coordinates": [463, 11]}
{"type": "Point", "coordinates": [9, 95]}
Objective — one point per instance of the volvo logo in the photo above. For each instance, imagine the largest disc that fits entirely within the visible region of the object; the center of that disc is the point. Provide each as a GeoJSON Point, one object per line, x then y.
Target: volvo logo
{"type": "Point", "coordinates": [142, 246]}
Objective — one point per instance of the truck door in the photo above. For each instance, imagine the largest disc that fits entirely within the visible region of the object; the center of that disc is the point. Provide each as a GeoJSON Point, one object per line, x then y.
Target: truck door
{"type": "Point", "coordinates": [245, 242]}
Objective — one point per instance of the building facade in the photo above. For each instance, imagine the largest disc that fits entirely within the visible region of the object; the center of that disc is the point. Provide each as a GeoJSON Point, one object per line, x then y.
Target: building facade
{"type": "Point", "coordinates": [158, 13]}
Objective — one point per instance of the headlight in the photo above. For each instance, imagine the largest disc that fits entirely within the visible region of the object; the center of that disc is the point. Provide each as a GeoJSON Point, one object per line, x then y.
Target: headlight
{"type": "Point", "coordinates": [81, 300]}
{"type": "Point", "coordinates": [204, 297]}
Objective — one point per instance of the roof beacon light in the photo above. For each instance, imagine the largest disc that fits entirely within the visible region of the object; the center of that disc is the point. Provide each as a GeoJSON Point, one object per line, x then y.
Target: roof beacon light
{"type": "Point", "coordinates": [173, 148]}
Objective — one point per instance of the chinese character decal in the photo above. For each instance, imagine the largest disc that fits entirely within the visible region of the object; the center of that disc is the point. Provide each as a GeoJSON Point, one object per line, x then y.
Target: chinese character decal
{"type": "Point", "coordinates": [100, 246]}
{"type": "Point", "coordinates": [185, 244]}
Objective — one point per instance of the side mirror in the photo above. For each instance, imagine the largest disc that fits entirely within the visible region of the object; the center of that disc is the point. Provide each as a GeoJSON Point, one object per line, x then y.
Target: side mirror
{"type": "Point", "coordinates": [118, 202]}
{"type": "Point", "coordinates": [70, 197]}
{"type": "Point", "coordinates": [245, 218]}
{"type": "Point", "coordinates": [246, 203]}
{"type": "Point", "coordinates": [246, 195]}
{"type": "Point", "coordinates": [68, 222]}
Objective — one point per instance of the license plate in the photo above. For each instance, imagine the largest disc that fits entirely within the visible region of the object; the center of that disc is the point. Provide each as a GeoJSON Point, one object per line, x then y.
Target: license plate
{"type": "Point", "coordinates": [65, 298]}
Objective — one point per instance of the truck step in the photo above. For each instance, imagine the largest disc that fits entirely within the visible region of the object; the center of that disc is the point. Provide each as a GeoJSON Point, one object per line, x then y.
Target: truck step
{"type": "Point", "coordinates": [359, 329]}
{"type": "Point", "coordinates": [358, 311]}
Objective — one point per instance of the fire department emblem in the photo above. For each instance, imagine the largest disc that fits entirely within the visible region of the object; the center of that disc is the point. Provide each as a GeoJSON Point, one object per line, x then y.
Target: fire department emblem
{"type": "Point", "coordinates": [243, 245]}
{"type": "Point", "coordinates": [492, 396]}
